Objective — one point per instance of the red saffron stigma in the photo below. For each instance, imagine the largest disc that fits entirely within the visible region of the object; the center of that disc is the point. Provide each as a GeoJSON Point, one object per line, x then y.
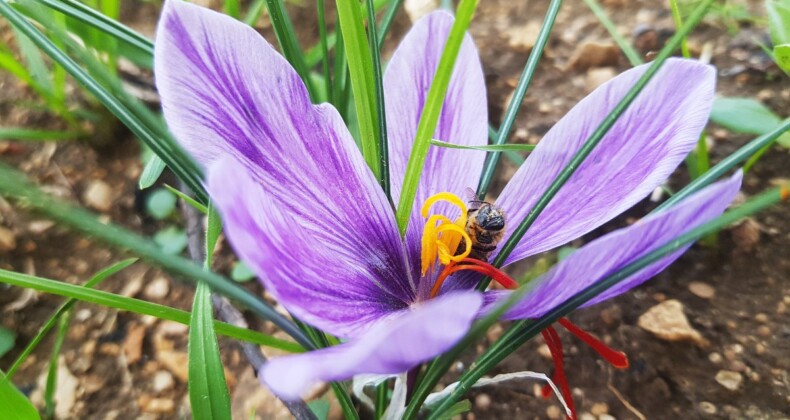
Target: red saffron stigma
{"type": "Point", "coordinates": [616, 358]}
{"type": "Point", "coordinates": [475, 265]}
{"type": "Point", "coordinates": [557, 356]}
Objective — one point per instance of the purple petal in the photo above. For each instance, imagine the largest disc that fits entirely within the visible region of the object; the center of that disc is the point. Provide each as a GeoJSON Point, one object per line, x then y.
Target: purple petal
{"type": "Point", "coordinates": [640, 151]}
{"type": "Point", "coordinates": [394, 345]}
{"type": "Point", "coordinates": [227, 92]}
{"type": "Point", "coordinates": [340, 281]}
{"type": "Point", "coordinates": [607, 254]}
{"type": "Point", "coordinates": [463, 119]}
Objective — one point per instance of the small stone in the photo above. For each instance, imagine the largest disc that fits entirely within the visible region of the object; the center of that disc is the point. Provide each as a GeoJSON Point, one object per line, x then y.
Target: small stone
{"type": "Point", "coordinates": [598, 76]}
{"type": "Point", "coordinates": [494, 333]}
{"type": "Point", "coordinates": [544, 351]}
{"type": "Point", "coordinates": [668, 322]}
{"type": "Point", "coordinates": [729, 379]}
{"type": "Point", "coordinates": [707, 407]}
{"type": "Point", "coordinates": [702, 290]}
{"type": "Point", "coordinates": [157, 289]}
{"type": "Point", "coordinates": [416, 9]}
{"type": "Point", "coordinates": [599, 408]}
{"type": "Point", "coordinates": [554, 412]}
{"type": "Point", "coordinates": [162, 381]}
{"type": "Point", "coordinates": [587, 416]}
{"type": "Point", "coordinates": [759, 348]}
{"type": "Point", "coordinates": [781, 308]}
{"type": "Point", "coordinates": [746, 234]}
{"type": "Point", "coordinates": [38, 227]}
{"type": "Point", "coordinates": [522, 38]}
{"type": "Point", "coordinates": [764, 331]}
{"type": "Point", "coordinates": [761, 318]}
{"type": "Point", "coordinates": [98, 195]}
{"type": "Point", "coordinates": [156, 405]}
{"type": "Point", "coordinates": [133, 343]}
{"type": "Point", "coordinates": [483, 401]}
{"type": "Point", "coordinates": [176, 362]}
{"type": "Point", "coordinates": [715, 358]}
{"type": "Point", "coordinates": [606, 417]}
{"type": "Point", "coordinates": [594, 54]}
{"type": "Point", "coordinates": [7, 239]}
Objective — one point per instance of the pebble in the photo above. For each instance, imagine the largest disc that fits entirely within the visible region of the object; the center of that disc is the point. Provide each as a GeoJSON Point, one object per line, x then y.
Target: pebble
{"type": "Point", "coordinates": [759, 348]}
{"type": "Point", "coordinates": [597, 76]}
{"type": "Point", "coordinates": [38, 227]}
{"type": "Point", "coordinates": [133, 343]}
{"type": "Point", "coordinates": [554, 412]}
{"type": "Point", "coordinates": [156, 405]}
{"type": "Point", "coordinates": [668, 322]}
{"type": "Point", "coordinates": [587, 416]}
{"type": "Point", "coordinates": [781, 308]}
{"type": "Point", "coordinates": [746, 234]}
{"type": "Point", "coordinates": [522, 38]}
{"type": "Point", "coordinates": [157, 289]}
{"type": "Point", "coordinates": [7, 239]}
{"type": "Point", "coordinates": [483, 401]}
{"type": "Point", "coordinates": [707, 407]}
{"type": "Point", "coordinates": [764, 331]}
{"type": "Point", "coordinates": [606, 417]}
{"type": "Point", "coordinates": [494, 333]}
{"type": "Point", "coordinates": [599, 409]}
{"type": "Point", "coordinates": [544, 351]}
{"type": "Point", "coordinates": [702, 290]}
{"type": "Point", "coordinates": [761, 318]}
{"type": "Point", "coordinates": [729, 379]}
{"type": "Point", "coordinates": [176, 362]}
{"type": "Point", "coordinates": [715, 358]}
{"type": "Point", "coordinates": [416, 9]}
{"type": "Point", "coordinates": [98, 196]}
{"type": "Point", "coordinates": [594, 54]}
{"type": "Point", "coordinates": [162, 381]}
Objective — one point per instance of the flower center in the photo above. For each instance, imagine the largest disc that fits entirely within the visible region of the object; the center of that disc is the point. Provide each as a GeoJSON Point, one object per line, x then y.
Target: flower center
{"type": "Point", "coordinates": [442, 236]}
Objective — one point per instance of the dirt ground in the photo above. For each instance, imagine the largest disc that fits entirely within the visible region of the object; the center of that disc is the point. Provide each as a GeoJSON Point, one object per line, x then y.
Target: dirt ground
{"type": "Point", "coordinates": [735, 294]}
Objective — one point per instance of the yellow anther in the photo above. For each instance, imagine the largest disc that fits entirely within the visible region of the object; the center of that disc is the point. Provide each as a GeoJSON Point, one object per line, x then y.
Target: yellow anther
{"type": "Point", "coordinates": [444, 196]}
{"type": "Point", "coordinates": [442, 240]}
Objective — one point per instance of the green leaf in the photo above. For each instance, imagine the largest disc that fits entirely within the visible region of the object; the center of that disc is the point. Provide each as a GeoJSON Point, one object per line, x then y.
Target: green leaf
{"type": "Point", "coordinates": [208, 392]}
{"type": "Point", "coordinates": [455, 410]}
{"type": "Point", "coordinates": [7, 339]}
{"type": "Point", "coordinates": [213, 230]}
{"type": "Point", "coordinates": [488, 148]}
{"type": "Point", "coordinates": [320, 408]}
{"type": "Point", "coordinates": [782, 57]}
{"type": "Point", "coordinates": [189, 200]}
{"type": "Point", "coordinates": [360, 66]}
{"type": "Point", "coordinates": [152, 171]}
{"type": "Point", "coordinates": [743, 115]}
{"type": "Point", "coordinates": [138, 306]}
{"type": "Point", "coordinates": [15, 405]}
{"type": "Point", "coordinates": [779, 20]}
{"type": "Point", "coordinates": [31, 134]}
{"type": "Point", "coordinates": [241, 272]}
{"type": "Point", "coordinates": [171, 239]}
{"type": "Point", "coordinates": [160, 203]}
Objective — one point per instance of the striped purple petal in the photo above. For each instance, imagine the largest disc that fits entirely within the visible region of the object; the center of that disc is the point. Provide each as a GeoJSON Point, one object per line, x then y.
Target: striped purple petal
{"type": "Point", "coordinates": [300, 204]}
{"type": "Point", "coordinates": [463, 120]}
{"type": "Point", "coordinates": [395, 345]}
{"type": "Point", "coordinates": [640, 151]}
{"type": "Point", "coordinates": [607, 254]}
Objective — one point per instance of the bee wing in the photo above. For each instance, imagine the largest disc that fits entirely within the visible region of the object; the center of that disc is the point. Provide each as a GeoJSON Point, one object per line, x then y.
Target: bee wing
{"type": "Point", "coordinates": [471, 198]}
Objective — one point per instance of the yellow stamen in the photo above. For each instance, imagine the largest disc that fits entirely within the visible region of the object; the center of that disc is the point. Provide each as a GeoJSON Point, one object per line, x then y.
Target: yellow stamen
{"type": "Point", "coordinates": [442, 240]}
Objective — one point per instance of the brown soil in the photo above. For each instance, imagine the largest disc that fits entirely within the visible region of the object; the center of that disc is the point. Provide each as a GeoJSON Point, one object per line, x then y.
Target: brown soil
{"type": "Point", "coordinates": [116, 356]}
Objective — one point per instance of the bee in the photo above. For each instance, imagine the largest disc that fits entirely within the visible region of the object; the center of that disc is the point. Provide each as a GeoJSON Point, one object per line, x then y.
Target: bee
{"type": "Point", "coordinates": [485, 225]}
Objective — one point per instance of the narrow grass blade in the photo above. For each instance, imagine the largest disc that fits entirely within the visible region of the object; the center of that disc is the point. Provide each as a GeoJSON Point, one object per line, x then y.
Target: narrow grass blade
{"type": "Point", "coordinates": [101, 22]}
{"type": "Point", "coordinates": [51, 386]}
{"type": "Point", "coordinates": [430, 112]}
{"type": "Point", "coordinates": [360, 65]}
{"type": "Point", "coordinates": [633, 57]}
{"type": "Point", "coordinates": [151, 172]}
{"type": "Point", "coordinates": [44, 330]}
{"type": "Point", "coordinates": [233, 8]}
{"type": "Point", "coordinates": [324, 44]}
{"type": "Point", "coordinates": [208, 391]}
{"type": "Point", "coordinates": [524, 330]}
{"type": "Point", "coordinates": [381, 115]}
{"type": "Point", "coordinates": [15, 405]}
{"type": "Point", "coordinates": [254, 12]}
{"type": "Point", "coordinates": [597, 135]}
{"type": "Point", "coordinates": [489, 148]}
{"type": "Point", "coordinates": [142, 307]}
{"type": "Point", "coordinates": [32, 134]}
{"type": "Point", "coordinates": [684, 49]}
{"type": "Point", "coordinates": [187, 199]}
{"type": "Point", "coordinates": [389, 17]}
{"type": "Point", "coordinates": [16, 186]}
{"type": "Point", "coordinates": [174, 157]}
{"type": "Point", "coordinates": [518, 96]}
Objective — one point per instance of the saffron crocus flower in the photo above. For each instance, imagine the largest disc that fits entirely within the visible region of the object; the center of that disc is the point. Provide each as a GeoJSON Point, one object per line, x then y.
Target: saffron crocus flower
{"type": "Point", "coordinates": [304, 211]}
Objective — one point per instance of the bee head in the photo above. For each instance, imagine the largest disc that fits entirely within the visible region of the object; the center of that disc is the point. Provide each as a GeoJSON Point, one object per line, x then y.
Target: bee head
{"type": "Point", "coordinates": [490, 218]}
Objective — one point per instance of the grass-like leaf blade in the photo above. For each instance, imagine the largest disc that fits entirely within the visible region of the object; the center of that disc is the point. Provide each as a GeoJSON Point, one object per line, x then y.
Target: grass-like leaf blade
{"type": "Point", "coordinates": [15, 405]}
